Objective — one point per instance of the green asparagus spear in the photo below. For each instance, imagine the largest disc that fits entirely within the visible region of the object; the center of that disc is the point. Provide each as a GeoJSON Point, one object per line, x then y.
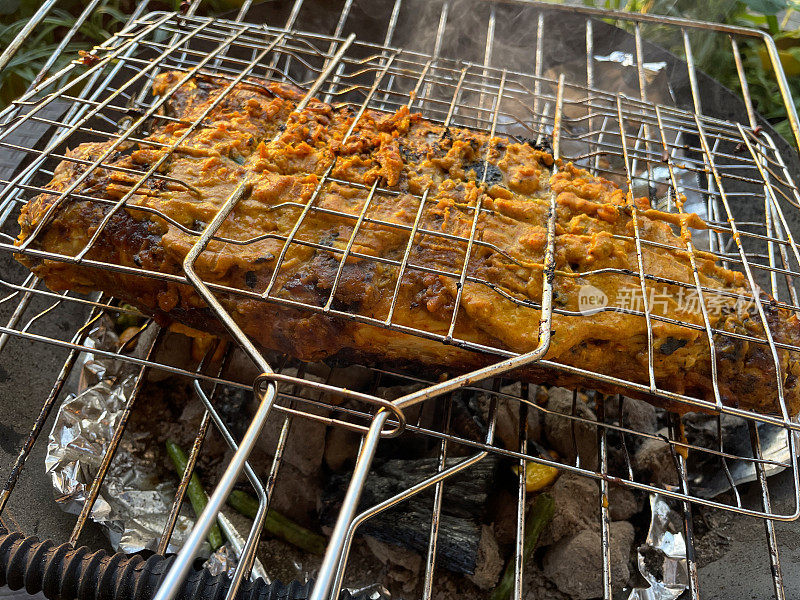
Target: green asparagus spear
{"type": "Point", "coordinates": [195, 491]}
{"type": "Point", "coordinates": [278, 525]}
{"type": "Point", "coordinates": [540, 514]}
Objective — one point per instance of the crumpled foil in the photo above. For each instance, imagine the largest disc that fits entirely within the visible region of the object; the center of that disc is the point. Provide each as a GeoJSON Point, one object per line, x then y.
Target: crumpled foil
{"type": "Point", "coordinates": [134, 499]}
{"type": "Point", "coordinates": [373, 592]}
{"type": "Point", "coordinates": [662, 557]}
{"type": "Point", "coordinates": [223, 560]}
{"type": "Point", "coordinates": [708, 478]}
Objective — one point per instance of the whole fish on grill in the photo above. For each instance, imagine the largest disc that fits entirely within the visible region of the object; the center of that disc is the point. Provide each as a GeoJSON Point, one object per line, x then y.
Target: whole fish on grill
{"type": "Point", "coordinates": [303, 165]}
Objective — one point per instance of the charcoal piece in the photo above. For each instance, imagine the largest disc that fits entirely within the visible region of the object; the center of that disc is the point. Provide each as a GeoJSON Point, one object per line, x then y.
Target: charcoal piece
{"type": "Point", "coordinates": [408, 524]}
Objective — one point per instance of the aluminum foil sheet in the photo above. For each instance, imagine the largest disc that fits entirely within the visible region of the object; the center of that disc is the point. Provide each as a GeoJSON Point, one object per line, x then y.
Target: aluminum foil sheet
{"type": "Point", "coordinates": [223, 560]}
{"type": "Point", "coordinates": [708, 477]}
{"type": "Point", "coordinates": [662, 557]}
{"type": "Point", "coordinates": [134, 499]}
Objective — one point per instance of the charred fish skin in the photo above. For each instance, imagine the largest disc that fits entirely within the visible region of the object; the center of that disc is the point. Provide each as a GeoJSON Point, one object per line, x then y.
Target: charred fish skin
{"type": "Point", "coordinates": [303, 164]}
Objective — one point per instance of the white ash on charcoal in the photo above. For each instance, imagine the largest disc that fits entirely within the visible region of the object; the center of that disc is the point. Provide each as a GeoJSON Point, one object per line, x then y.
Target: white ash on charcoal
{"type": "Point", "coordinates": [240, 367]}
{"type": "Point", "coordinates": [638, 415]}
{"type": "Point", "coordinates": [623, 503]}
{"type": "Point", "coordinates": [577, 507]}
{"type": "Point", "coordinates": [570, 547]}
{"type": "Point", "coordinates": [304, 456]}
{"type": "Point", "coordinates": [577, 501]}
{"type": "Point", "coordinates": [393, 392]}
{"type": "Point", "coordinates": [404, 565]}
{"type": "Point", "coordinates": [503, 511]}
{"type": "Point", "coordinates": [297, 489]}
{"type": "Point", "coordinates": [341, 448]}
{"type": "Point", "coordinates": [449, 586]}
{"type": "Point", "coordinates": [537, 586]}
{"type": "Point", "coordinates": [489, 563]}
{"type": "Point", "coordinates": [173, 349]}
{"type": "Point", "coordinates": [565, 435]}
{"type": "Point", "coordinates": [509, 411]}
{"type": "Point", "coordinates": [655, 462]}
{"type": "Point", "coordinates": [352, 377]}
{"type": "Point", "coordinates": [341, 445]}
{"type": "Point", "coordinates": [575, 563]}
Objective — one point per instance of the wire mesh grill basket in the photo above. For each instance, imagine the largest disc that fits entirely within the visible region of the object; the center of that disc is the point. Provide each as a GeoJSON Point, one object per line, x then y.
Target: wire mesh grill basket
{"type": "Point", "coordinates": [735, 174]}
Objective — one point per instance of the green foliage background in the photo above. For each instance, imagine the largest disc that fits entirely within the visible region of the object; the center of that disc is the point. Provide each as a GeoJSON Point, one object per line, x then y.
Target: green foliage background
{"type": "Point", "coordinates": [712, 52]}
{"type": "Point", "coordinates": [713, 55]}
{"type": "Point", "coordinates": [103, 22]}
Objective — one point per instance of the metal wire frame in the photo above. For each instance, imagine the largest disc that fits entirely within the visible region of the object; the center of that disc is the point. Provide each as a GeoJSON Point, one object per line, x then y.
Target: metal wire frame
{"type": "Point", "coordinates": [451, 109]}
{"type": "Point", "coordinates": [448, 439]}
{"type": "Point", "coordinates": [458, 84]}
{"type": "Point", "coordinates": [680, 462]}
{"type": "Point", "coordinates": [772, 237]}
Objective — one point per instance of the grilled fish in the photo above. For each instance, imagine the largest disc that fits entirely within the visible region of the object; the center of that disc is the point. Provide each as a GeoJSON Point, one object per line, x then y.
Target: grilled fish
{"type": "Point", "coordinates": [335, 180]}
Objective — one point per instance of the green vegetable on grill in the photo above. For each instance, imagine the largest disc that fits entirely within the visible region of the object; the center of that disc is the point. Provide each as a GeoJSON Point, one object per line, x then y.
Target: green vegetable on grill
{"type": "Point", "coordinates": [195, 491]}
{"type": "Point", "coordinates": [540, 514]}
{"type": "Point", "coordinates": [278, 525]}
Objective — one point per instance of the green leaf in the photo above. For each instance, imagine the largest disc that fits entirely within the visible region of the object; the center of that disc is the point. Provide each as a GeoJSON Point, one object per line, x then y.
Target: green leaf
{"type": "Point", "coordinates": [9, 7]}
{"type": "Point", "coordinates": [767, 7]}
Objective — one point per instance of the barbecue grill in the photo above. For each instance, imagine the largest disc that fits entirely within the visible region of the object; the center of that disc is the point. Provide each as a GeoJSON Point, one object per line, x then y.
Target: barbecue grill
{"type": "Point", "coordinates": [721, 153]}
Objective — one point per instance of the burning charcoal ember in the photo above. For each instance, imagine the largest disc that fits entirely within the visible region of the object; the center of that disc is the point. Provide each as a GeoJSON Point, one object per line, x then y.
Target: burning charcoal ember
{"type": "Point", "coordinates": [559, 429]}
{"type": "Point", "coordinates": [408, 524]}
{"type": "Point", "coordinates": [654, 458]}
{"type": "Point", "coordinates": [575, 564]}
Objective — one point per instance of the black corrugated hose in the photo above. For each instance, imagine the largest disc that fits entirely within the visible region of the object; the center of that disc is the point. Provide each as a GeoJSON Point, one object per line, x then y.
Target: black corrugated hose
{"type": "Point", "coordinates": [62, 572]}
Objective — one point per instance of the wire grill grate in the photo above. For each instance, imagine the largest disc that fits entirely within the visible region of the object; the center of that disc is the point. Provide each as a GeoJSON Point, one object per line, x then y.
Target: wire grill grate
{"type": "Point", "coordinates": [654, 150]}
